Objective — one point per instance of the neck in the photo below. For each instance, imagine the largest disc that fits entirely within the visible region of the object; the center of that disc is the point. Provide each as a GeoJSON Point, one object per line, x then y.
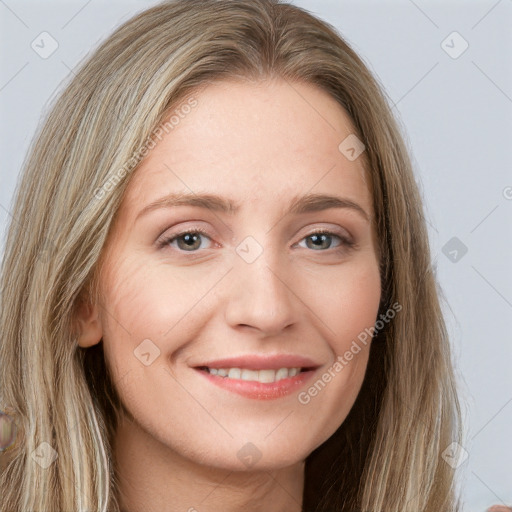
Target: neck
{"type": "Point", "coordinates": [154, 478]}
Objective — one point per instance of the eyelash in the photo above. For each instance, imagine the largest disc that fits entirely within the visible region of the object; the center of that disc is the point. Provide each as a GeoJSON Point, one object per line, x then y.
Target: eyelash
{"type": "Point", "coordinates": [345, 243]}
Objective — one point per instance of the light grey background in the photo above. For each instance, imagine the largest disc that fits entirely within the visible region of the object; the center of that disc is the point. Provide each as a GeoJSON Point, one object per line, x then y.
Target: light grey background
{"type": "Point", "coordinates": [456, 114]}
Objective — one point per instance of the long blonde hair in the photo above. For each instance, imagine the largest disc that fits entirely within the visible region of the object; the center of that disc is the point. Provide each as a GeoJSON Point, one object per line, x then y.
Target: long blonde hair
{"type": "Point", "coordinates": [387, 455]}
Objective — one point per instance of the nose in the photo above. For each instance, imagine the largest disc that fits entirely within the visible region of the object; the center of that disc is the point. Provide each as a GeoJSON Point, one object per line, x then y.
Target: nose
{"type": "Point", "coordinates": [261, 298]}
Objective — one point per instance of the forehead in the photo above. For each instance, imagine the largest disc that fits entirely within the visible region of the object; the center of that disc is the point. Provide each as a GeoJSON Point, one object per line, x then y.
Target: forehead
{"type": "Point", "coordinates": [257, 142]}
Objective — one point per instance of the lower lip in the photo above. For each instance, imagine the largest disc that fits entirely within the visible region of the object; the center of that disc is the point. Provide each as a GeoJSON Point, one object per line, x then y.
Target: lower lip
{"type": "Point", "coordinates": [260, 390]}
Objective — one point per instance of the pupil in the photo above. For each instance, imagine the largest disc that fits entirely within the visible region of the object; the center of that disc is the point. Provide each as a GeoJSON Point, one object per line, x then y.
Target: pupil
{"type": "Point", "coordinates": [318, 238]}
{"type": "Point", "coordinates": [190, 240]}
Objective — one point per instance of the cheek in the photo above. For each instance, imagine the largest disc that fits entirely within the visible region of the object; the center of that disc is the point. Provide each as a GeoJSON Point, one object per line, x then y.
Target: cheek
{"type": "Point", "coordinates": [357, 305]}
{"type": "Point", "coordinates": [345, 300]}
{"type": "Point", "coordinates": [348, 310]}
{"type": "Point", "coordinates": [149, 302]}
{"type": "Point", "coordinates": [354, 306]}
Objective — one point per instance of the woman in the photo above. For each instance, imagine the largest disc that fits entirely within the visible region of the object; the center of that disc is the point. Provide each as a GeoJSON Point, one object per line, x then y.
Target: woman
{"type": "Point", "coordinates": [177, 342]}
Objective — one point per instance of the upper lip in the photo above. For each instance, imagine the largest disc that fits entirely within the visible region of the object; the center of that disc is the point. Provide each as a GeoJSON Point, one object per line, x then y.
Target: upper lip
{"type": "Point", "coordinates": [262, 362]}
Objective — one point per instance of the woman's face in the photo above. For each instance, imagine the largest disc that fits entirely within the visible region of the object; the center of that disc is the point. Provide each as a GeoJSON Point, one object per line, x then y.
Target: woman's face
{"type": "Point", "coordinates": [256, 289]}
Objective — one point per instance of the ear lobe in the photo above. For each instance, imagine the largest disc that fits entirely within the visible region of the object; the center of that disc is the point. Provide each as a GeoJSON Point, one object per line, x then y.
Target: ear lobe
{"type": "Point", "coordinates": [89, 324]}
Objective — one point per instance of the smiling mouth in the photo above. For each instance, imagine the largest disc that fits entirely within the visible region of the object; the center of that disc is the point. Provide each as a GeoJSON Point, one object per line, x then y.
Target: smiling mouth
{"type": "Point", "coordinates": [266, 376]}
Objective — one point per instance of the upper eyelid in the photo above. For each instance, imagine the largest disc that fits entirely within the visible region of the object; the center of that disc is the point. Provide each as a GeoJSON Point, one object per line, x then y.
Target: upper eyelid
{"type": "Point", "coordinates": [226, 228]}
{"type": "Point", "coordinates": [205, 231]}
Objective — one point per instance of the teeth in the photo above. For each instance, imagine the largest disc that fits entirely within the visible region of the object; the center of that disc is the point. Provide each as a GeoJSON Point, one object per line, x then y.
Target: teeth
{"type": "Point", "coordinates": [267, 375]}
{"type": "Point", "coordinates": [282, 373]}
{"type": "Point", "coordinates": [234, 373]}
{"type": "Point", "coordinates": [264, 376]}
{"type": "Point", "coordinates": [250, 375]}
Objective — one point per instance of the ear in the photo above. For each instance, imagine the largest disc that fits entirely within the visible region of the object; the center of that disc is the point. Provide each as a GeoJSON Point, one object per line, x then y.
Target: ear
{"type": "Point", "coordinates": [89, 325]}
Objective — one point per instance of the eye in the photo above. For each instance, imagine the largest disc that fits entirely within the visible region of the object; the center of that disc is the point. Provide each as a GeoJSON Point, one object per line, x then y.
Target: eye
{"type": "Point", "coordinates": [323, 240]}
{"type": "Point", "coordinates": [190, 241]}
{"type": "Point", "coordinates": [187, 241]}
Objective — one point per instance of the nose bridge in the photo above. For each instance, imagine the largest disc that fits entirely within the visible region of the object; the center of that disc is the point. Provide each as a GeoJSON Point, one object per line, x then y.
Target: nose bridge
{"type": "Point", "coordinates": [261, 297]}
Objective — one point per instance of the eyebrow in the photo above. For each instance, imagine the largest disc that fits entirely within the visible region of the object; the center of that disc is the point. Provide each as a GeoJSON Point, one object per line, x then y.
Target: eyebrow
{"type": "Point", "coordinates": [305, 204]}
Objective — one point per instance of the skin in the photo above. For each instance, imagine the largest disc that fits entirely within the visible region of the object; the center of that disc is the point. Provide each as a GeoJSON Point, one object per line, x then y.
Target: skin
{"type": "Point", "coordinates": [259, 144]}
